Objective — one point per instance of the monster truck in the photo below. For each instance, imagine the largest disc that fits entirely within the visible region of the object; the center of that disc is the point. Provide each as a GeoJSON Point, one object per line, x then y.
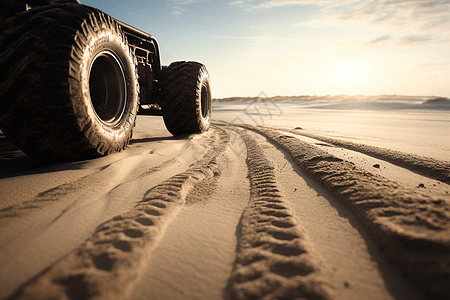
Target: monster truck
{"type": "Point", "coordinates": [73, 79]}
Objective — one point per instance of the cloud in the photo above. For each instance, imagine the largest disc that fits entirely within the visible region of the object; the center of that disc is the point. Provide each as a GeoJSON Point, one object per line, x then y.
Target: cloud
{"type": "Point", "coordinates": [415, 19]}
{"type": "Point", "coordinates": [258, 4]}
{"type": "Point", "coordinates": [380, 40]}
{"type": "Point", "coordinates": [415, 39]}
{"type": "Point", "coordinates": [394, 12]}
{"type": "Point", "coordinates": [435, 64]}
{"type": "Point", "coordinates": [267, 39]}
{"type": "Point", "coordinates": [178, 7]}
{"type": "Point", "coordinates": [181, 2]}
{"type": "Point", "coordinates": [178, 10]}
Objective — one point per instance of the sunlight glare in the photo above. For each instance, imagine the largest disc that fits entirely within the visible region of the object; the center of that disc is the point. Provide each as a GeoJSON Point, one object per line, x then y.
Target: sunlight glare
{"type": "Point", "coordinates": [348, 72]}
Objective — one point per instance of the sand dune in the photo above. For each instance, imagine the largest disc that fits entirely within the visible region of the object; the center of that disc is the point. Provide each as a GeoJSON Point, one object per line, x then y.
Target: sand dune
{"type": "Point", "coordinates": [240, 212]}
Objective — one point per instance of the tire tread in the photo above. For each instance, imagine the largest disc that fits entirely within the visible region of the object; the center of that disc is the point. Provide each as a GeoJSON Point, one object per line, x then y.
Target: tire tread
{"type": "Point", "coordinates": [180, 84]}
{"type": "Point", "coordinates": [39, 55]}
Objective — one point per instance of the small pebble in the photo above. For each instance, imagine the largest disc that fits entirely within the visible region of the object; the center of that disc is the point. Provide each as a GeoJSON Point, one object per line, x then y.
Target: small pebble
{"type": "Point", "coordinates": [376, 166]}
{"type": "Point", "coordinates": [421, 185]}
{"type": "Point", "coordinates": [346, 284]}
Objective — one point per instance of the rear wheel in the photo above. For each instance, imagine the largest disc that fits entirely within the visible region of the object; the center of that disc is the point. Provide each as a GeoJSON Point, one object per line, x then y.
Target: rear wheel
{"type": "Point", "coordinates": [69, 89]}
{"type": "Point", "coordinates": [186, 97]}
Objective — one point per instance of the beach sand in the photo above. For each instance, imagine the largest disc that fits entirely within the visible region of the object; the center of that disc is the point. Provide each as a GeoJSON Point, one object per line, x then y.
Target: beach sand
{"type": "Point", "coordinates": [285, 198]}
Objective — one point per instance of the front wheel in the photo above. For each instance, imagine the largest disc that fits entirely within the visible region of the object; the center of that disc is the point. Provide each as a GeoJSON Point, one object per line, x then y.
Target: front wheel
{"type": "Point", "coordinates": [69, 89]}
{"type": "Point", "coordinates": [186, 98]}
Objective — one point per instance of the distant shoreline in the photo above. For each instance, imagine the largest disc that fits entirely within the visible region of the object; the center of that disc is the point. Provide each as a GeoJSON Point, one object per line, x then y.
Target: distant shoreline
{"type": "Point", "coordinates": [342, 98]}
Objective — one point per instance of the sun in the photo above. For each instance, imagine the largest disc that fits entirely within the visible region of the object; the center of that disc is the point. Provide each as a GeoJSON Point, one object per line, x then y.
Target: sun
{"type": "Point", "coordinates": [351, 72]}
{"type": "Point", "coordinates": [348, 73]}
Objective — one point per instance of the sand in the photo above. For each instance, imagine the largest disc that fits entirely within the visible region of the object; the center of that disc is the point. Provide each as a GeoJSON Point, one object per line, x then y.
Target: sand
{"type": "Point", "coordinates": [281, 199]}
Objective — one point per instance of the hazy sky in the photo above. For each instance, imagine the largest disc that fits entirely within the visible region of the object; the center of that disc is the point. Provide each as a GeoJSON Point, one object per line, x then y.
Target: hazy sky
{"type": "Point", "coordinates": [302, 47]}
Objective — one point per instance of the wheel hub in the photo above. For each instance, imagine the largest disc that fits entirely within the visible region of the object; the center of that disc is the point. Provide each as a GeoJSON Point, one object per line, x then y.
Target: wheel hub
{"type": "Point", "coordinates": [107, 86]}
{"type": "Point", "coordinates": [205, 103]}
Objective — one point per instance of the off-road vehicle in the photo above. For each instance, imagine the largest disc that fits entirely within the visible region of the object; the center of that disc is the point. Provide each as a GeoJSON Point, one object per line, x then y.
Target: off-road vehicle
{"type": "Point", "coordinates": [73, 79]}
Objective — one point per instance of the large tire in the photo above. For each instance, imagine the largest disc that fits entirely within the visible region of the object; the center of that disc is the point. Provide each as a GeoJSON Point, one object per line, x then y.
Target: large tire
{"type": "Point", "coordinates": [9, 8]}
{"type": "Point", "coordinates": [68, 83]}
{"type": "Point", "coordinates": [186, 98]}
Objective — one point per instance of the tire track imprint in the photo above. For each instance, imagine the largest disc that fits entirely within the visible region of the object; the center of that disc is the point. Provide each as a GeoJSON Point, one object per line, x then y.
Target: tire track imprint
{"type": "Point", "coordinates": [64, 198]}
{"type": "Point", "coordinates": [275, 258]}
{"type": "Point", "coordinates": [432, 168]}
{"type": "Point", "coordinates": [108, 264]}
{"type": "Point", "coordinates": [68, 190]}
{"type": "Point", "coordinates": [413, 229]}
{"type": "Point", "coordinates": [209, 138]}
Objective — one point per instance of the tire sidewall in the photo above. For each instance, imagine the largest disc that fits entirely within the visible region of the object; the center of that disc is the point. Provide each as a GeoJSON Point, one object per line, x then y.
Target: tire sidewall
{"type": "Point", "coordinates": [105, 40]}
{"type": "Point", "coordinates": [204, 82]}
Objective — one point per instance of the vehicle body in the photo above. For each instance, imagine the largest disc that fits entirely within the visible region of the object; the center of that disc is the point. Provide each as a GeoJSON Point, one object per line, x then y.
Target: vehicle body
{"type": "Point", "coordinates": [73, 80]}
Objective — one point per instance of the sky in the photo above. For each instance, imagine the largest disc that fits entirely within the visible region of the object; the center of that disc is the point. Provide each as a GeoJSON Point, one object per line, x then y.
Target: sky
{"type": "Point", "coordinates": [302, 47]}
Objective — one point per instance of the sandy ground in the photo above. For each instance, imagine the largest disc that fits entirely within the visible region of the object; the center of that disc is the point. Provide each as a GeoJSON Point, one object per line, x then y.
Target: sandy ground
{"type": "Point", "coordinates": [315, 204]}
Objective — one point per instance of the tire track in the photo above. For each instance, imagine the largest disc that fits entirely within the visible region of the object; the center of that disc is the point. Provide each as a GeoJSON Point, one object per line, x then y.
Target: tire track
{"type": "Point", "coordinates": [402, 175]}
{"type": "Point", "coordinates": [108, 264]}
{"type": "Point", "coordinates": [412, 228]}
{"type": "Point", "coordinates": [195, 257]}
{"type": "Point", "coordinates": [430, 167]}
{"type": "Point", "coordinates": [275, 258]}
{"type": "Point", "coordinates": [70, 191]}
{"type": "Point", "coordinates": [49, 206]}
{"type": "Point", "coordinates": [358, 266]}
